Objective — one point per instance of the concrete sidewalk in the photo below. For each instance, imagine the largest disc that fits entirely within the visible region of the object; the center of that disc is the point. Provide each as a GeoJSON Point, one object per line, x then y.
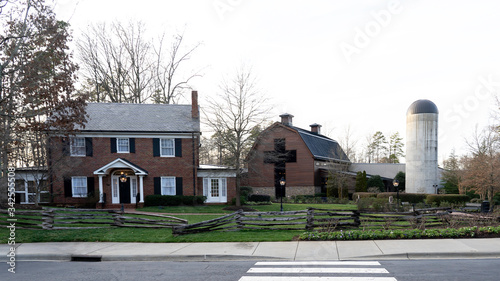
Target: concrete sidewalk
{"type": "Point", "coordinates": [293, 251]}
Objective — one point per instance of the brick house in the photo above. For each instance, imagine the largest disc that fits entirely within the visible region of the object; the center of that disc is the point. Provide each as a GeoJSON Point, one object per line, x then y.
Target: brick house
{"type": "Point", "coordinates": [301, 157]}
{"type": "Point", "coordinates": [128, 151]}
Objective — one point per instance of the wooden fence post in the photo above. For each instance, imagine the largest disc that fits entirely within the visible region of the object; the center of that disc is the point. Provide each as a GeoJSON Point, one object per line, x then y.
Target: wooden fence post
{"type": "Point", "coordinates": [355, 215]}
{"type": "Point", "coordinates": [238, 219]}
{"type": "Point", "coordinates": [117, 218]}
{"type": "Point", "coordinates": [48, 219]}
{"type": "Point", "coordinates": [310, 219]}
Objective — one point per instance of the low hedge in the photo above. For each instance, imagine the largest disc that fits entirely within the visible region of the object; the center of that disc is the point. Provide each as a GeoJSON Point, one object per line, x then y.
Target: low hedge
{"type": "Point", "coordinates": [259, 198]}
{"type": "Point", "coordinates": [464, 232]}
{"type": "Point", "coordinates": [173, 200]}
{"type": "Point", "coordinates": [451, 198]}
{"type": "Point", "coordinates": [404, 197]}
{"type": "Point", "coordinates": [363, 195]}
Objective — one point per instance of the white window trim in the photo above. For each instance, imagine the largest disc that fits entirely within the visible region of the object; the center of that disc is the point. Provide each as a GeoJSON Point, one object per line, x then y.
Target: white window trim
{"type": "Point", "coordinates": [84, 195]}
{"type": "Point", "coordinates": [173, 148]}
{"type": "Point", "coordinates": [174, 186]}
{"type": "Point", "coordinates": [72, 150]}
{"type": "Point", "coordinates": [118, 146]}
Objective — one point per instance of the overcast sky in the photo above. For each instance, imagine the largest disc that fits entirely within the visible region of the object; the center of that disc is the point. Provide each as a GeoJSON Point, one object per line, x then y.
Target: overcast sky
{"type": "Point", "coordinates": [337, 63]}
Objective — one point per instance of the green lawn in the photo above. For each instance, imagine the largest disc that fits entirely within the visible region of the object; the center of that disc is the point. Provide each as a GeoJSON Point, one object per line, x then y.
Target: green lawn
{"type": "Point", "coordinates": [144, 235]}
{"type": "Point", "coordinates": [192, 214]}
{"type": "Point", "coordinates": [261, 208]}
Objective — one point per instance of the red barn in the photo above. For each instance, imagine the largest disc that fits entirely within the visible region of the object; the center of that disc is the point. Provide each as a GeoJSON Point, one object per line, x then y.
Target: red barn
{"type": "Point", "coordinates": [301, 157]}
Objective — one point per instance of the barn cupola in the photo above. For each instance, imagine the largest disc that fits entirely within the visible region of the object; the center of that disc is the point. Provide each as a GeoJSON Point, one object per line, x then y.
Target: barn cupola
{"type": "Point", "coordinates": [315, 128]}
{"type": "Point", "coordinates": [286, 119]}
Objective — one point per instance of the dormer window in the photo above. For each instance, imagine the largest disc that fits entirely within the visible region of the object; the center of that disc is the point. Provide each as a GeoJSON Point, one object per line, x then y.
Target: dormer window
{"type": "Point", "coordinates": [122, 145]}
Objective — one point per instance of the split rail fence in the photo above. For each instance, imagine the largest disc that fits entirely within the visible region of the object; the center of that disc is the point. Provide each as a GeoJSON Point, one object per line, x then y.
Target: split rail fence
{"type": "Point", "coordinates": [314, 218]}
{"type": "Point", "coordinates": [53, 218]}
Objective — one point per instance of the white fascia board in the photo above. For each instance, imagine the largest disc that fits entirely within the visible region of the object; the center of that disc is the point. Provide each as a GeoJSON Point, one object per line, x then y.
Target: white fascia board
{"type": "Point", "coordinates": [135, 135]}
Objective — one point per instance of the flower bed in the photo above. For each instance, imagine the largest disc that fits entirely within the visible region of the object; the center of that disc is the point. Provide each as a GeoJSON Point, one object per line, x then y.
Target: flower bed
{"type": "Point", "coordinates": [463, 232]}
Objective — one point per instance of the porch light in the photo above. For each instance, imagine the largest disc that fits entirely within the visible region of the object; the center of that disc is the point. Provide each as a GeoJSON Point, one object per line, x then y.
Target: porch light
{"type": "Point", "coordinates": [123, 177]}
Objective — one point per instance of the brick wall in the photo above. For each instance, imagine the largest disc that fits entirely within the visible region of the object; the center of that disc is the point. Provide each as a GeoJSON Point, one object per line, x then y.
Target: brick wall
{"type": "Point", "coordinates": [299, 174]}
{"type": "Point", "coordinates": [290, 191]}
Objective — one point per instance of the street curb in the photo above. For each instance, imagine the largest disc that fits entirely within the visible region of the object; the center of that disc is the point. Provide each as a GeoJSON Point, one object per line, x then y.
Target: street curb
{"type": "Point", "coordinates": [442, 255]}
{"type": "Point", "coordinates": [77, 258]}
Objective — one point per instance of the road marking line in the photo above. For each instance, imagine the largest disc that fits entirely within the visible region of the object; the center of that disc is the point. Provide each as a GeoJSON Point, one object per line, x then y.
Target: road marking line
{"type": "Point", "coordinates": [306, 278]}
{"type": "Point", "coordinates": [315, 270]}
{"type": "Point", "coordinates": [322, 263]}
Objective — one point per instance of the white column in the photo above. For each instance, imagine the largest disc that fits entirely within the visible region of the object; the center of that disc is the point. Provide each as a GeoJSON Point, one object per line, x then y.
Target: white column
{"type": "Point", "coordinates": [141, 190]}
{"type": "Point", "coordinates": [101, 190]}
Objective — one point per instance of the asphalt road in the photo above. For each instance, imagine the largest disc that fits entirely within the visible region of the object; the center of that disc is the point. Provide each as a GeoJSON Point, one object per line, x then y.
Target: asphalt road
{"type": "Point", "coordinates": [400, 270]}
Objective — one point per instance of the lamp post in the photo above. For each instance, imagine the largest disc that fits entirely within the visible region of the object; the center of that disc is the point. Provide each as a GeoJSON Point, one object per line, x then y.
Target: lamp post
{"type": "Point", "coordinates": [282, 184]}
{"type": "Point", "coordinates": [395, 182]}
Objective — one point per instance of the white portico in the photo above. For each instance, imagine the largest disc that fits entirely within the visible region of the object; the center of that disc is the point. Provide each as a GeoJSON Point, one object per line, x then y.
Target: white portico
{"type": "Point", "coordinates": [126, 181]}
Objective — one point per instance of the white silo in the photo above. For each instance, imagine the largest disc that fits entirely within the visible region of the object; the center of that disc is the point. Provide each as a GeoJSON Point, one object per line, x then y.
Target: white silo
{"type": "Point", "coordinates": [422, 147]}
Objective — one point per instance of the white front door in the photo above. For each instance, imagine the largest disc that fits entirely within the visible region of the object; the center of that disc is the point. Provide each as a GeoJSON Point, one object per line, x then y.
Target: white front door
{"type": "Point", "coordinates": [215, 189]}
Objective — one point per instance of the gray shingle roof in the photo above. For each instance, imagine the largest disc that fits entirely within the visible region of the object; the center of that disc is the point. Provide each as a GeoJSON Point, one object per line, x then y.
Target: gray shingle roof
{"type": "Point", "coordinates": [131, 117]}
{"type": "Point", "coordinates": [321, 147]}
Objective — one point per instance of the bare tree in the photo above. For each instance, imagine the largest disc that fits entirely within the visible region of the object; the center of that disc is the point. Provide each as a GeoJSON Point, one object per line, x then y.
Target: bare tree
{"type": "Point", "coordinates": [348, 142]}
{"type": "Point", "coordinates": [234, 114]}
{"type": "Point", "coordinates": [168, 87]}
{"type": "Point", "coordinates": [121, 65]}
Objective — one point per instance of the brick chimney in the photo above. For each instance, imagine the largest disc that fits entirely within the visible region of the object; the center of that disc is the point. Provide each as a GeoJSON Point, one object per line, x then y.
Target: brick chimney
{"type": "Point", "coordinates": [286, 119]}
{"type": "Point", "coordinates": [195, 111]}
{"type": "Point", "coordinates": [315, 128]}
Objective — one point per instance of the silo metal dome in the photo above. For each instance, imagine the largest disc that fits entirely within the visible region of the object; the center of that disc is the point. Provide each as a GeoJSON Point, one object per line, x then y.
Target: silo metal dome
{"type": "Point", "coordinates": [422, 106]}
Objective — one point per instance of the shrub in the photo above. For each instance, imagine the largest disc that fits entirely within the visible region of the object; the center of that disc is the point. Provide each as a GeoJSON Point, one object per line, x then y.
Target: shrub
{"type": "Point", "coordinates": [377, 204]}
{"type": "Point", "coordinates": [451, 198]}
{"type": "Point", "coordinates": [246, 191]}
{"type": "Point", "coordinates": [243, 200]}
{"type": "Point", "coordinates": [496, 199]}
{"type": "Point", "coordinates": [171, 200]}
{"type": "Point", "coordinates": [376, 181]}
{"type": "Point", "coordinates": [259, 198]}
{"type": "Point", "coordinates": [404, 197]}
{"type": "Point", "coordinates": [463, 232]}
{"type": "Point", "coordinates": [363, 195]}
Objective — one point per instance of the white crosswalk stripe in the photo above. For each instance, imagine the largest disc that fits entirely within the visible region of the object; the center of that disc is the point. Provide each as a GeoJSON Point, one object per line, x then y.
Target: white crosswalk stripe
{"type": "Point", "coordinates": [309, 271]}
{"type": "Point", "coordinates": [312, 278]}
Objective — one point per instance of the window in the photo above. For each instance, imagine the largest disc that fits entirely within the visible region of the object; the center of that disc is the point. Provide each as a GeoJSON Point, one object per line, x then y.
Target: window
{"type": "Point", "coordinates": [79, 186]}
{"type": "Point", "coordinates": [133, 185]}
{"type": "Point", "coordinates": [122, 145]}
{"type": "Point", "coordinates": [77, 147]}
{"type": "Point", "coordinates": [168, 186]}
{"type": "Point", "coordinates": [115, 187]}
{"type": "Point", "coordinates": [167, 147]}
{"type": "Point", "coordinates": [214, 191]}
